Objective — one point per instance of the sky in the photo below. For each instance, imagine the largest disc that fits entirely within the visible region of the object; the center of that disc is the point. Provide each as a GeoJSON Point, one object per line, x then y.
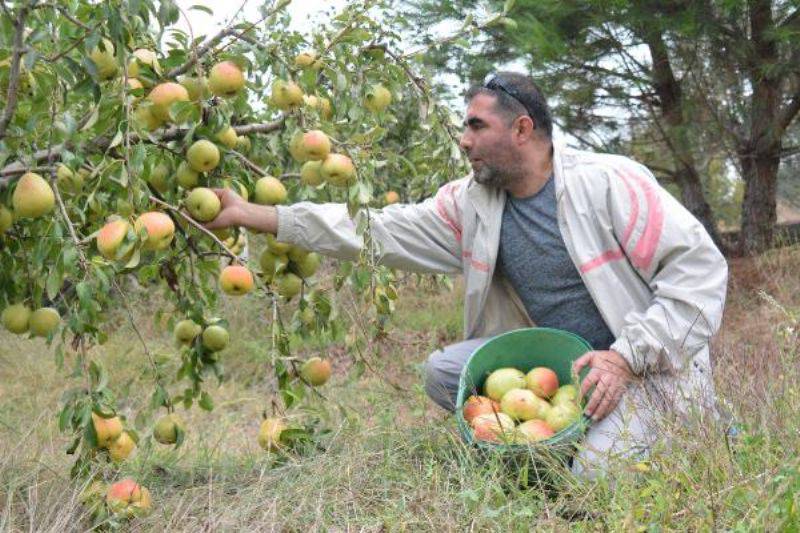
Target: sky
{"type": "Point", "coordinates": [202, 23]}
{"type": "Point", "coordinates": [303, 12]}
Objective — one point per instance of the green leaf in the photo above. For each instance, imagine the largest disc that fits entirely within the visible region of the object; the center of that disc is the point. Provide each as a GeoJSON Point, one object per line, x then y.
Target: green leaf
{"type": "Point", "coordinates": [204, 9]}
{"type": "Point", "coordinates": [92, 118]}
{"type": "Point", "coordinates": [116, 140]}
{"type": "Point", "coordinates": [206, 402]}
{"type": "Point", "coordinates": [65, 417]}
{"type": "Point", "coordinates": [54, 281]}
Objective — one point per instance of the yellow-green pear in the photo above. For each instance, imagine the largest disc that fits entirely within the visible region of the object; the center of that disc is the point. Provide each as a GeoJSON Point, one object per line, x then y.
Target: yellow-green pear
{"type": "Point", "coordinates": [203, 156]}
{"type": "Point", "coordinates": [68, 180]}
{"type": "Point", "coordinates": [6, 219]}
{"type": "Point", "coordinates": [271, 264]}
{"type": "Point", "coordinates": [297, 254]}
{"type": "Point", "coordinates": [167, 429]}
{"type": "Point", "coordinates": [325, 108]}
{"type": "Point", "coordinates": [203, 204]}
{"type": "Point", "coordinates": [243, 144]}
{"type": "Point", "coordinates": [215, 338]}
{"type": "Point", "coordinates": [223, 234]}
{"type": "Point", "coordinates": [15, 318]}
{"type": "Point", "coordinates": [310, 173]}
{"type": "Point", "coordinates": [338, 170]}
{"type": "Point", "coordinates": [104, 61]}
{"type": "Point", "coordinates": [106, 429]}
{"type": "Point", "coordinates": [124, 207]}
{"type": "Point", "coordinates": [269, 191]}
{"type": "Point", "coordinates": [186, 331]}
{"type": "Point", "coordinates": [33, 196]}
{"type": "Point", "coordinates": [197, 88]}
{"type": "Point", "coordinates": [305, 59]}
{"type": "Point", "coordinates": [287, 96]}
{"type": "Point", "coordinates": [186, 176]}
{"type": "Point", "coordinates": [121, 448]}
{"type": "Point", "coordinates": [159, 178]}
{"type": "Point", "coordinates": [142, 56]}
{"type": "Point", "coordinates": [44, 321]}
{"type": "Point", "coordinates": [296, 148]}
{"type": "Point", "coordinates": [277, 247]}
{"type": "Point", "coordinates": [269, 433]}
{"type": "Point", "coordinates": [562, 415]}
{"type": "Point", "coordinates": [228, 137]}
{"type": "Point", "coordinates": [568, 393]}
{"type": "Point", "coordinates": [378, 98]}
{"type": "Point", "coordinates": [308, 265]}
{"type": "Point", "coordinates": [503, 380]}
{"type": "Point", "coordinates": [288, 285]}
{"type": "Point", "coordinates": [145, 119]}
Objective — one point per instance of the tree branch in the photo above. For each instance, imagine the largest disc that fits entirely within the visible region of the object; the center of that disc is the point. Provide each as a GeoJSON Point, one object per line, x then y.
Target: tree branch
{"type": "Point", "coordinates": [787, 113]}
{"type": "Point", "coordinates": [211, 43]}
{"type": "Point", "coordinates": [203, 50]}
{"type": "Point", "coordinates": [101, 144]}
{"type": "Point", "coordinates": [199, 227]}
{"type": "Point", "coordinates": [14, 70]}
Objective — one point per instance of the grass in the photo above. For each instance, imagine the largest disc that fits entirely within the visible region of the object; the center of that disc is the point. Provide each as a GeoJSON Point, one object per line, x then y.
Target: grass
{"type": "Point", "coordinates": [392, 461]}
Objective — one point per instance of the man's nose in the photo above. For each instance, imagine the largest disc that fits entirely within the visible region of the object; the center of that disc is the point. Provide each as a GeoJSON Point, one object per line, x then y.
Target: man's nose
{"type": "Point", "coordinates": [465, 142]}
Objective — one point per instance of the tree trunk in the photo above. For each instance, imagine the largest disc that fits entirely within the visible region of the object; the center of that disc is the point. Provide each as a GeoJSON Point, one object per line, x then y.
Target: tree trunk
{"type": "Point", "coordinates": [672, 104]}
{"type": "Point", "coordinates": [759, 211]}
{"type": "Point", "coordinates": [693, 199]}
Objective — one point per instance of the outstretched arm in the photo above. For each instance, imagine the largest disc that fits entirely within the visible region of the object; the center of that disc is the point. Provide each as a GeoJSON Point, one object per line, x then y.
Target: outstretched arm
{"type": "Point", "coordinates": [424, 237]}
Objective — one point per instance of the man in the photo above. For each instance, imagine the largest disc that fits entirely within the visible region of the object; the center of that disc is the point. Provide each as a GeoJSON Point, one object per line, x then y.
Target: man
{"type": "Point", "coordinates": [546, 235]}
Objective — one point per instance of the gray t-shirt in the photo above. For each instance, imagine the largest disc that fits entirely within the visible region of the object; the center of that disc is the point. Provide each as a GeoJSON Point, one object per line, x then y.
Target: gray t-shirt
{"type": "Point", "coordinates": [535, 260]}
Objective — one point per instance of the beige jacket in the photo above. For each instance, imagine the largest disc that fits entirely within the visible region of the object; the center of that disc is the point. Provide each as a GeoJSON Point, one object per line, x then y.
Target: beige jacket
{"type": "Point", "coordinates": [656, 277]}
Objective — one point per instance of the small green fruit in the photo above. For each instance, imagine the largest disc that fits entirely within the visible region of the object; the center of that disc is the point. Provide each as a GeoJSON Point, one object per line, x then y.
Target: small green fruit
{"type": "Point", "coordinates": [203, 156]}
{"type": "Point", "coordinates": [215, 338]}
{"type": "Point", "coordinates": [44, 321]}
{"type": "Point", "coordinates": [15, 318]}
{"type": "Point", "coordinates": [186, 331]}
{"type": "Point", "coordinates": [167, 429]}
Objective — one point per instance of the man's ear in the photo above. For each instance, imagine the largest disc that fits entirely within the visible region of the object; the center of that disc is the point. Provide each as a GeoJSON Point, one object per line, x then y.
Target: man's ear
{"type": "Point", "coordinates": [524, 127]}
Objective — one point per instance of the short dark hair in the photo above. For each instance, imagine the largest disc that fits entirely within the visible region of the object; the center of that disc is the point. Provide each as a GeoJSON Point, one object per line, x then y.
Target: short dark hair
{"type": "Point", "coordinates": [516, 94]}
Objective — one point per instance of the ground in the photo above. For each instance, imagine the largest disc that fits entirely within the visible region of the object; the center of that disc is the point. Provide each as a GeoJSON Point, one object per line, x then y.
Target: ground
{"type": "Point", "coordinates": [394, 462]}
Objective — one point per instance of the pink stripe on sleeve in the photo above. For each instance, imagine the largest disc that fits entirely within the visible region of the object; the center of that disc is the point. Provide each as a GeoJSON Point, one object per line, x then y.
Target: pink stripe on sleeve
{"type": "Point", "coordinates": [441, 209]}
{"type": "Point", "coordinates": [477, 265]}
{"type": "Point", "coordinates": [634, 216]}
{"type": "Point", "coordinates": [602, 259]}
{"type": "Point", "coordinates": [647, 244]}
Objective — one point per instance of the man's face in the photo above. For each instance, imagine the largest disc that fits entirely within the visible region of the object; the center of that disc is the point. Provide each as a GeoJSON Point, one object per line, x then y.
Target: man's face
{"type": "Point", "coordinates": [488, 142]}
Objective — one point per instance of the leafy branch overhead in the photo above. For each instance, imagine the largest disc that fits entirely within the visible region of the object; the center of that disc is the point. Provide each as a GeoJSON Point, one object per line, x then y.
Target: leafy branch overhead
{"type": "Point", "coordinates": [113, 135]}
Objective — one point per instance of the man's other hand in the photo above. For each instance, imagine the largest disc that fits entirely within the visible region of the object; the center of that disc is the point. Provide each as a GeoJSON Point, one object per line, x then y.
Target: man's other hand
{"type": "Point", "coordinates": [609, 375]}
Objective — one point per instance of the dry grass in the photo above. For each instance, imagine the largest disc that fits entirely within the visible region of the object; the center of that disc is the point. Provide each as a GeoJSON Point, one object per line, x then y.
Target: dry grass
{"type": "Point", "coordinates": [391, 461]}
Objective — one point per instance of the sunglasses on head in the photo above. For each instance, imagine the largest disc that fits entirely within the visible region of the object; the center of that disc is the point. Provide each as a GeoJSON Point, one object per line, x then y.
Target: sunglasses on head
{"type": "Point", "coordinates": [495, 82]}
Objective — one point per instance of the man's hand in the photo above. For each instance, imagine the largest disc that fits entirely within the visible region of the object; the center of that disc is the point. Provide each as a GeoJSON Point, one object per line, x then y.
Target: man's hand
{"type": "Point", "coordinates": [232, 212]}
{"type": "Point", "coordinates": [609, 375]}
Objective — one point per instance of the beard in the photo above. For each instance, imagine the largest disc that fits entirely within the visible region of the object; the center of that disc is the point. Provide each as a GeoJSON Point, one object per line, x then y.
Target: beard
{"type": "Point", "coordinates": [497, 176]}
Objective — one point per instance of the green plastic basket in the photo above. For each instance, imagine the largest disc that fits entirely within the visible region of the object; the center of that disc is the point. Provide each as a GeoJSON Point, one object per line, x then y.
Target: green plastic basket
{"type": "Point", "coordinates": [524, 349]}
